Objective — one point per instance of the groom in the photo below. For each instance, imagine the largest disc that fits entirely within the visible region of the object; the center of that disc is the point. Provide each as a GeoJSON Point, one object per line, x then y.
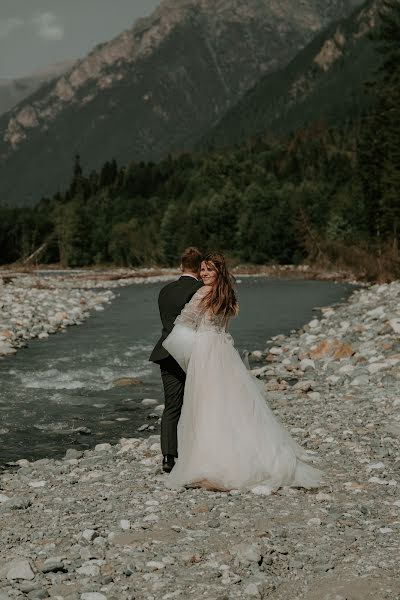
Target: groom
{"type": "Point", "coordinates": [171, 300]}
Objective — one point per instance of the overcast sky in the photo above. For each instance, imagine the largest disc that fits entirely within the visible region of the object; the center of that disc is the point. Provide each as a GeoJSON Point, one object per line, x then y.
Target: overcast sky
{"type": "Point", "coordinates": [36, 33]}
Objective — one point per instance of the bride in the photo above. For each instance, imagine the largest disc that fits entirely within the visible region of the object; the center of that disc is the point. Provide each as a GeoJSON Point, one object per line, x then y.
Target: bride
{"type": "Point", "coordinates": [228, 437]}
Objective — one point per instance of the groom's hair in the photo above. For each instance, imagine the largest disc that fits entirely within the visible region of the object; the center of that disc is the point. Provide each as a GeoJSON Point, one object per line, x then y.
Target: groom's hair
{"type": "Point", "coordinates": [191, 260]}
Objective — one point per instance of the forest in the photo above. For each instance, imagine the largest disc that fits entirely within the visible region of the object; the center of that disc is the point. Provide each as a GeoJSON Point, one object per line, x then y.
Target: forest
{"type": "Point", "coordinates": [327, 195]}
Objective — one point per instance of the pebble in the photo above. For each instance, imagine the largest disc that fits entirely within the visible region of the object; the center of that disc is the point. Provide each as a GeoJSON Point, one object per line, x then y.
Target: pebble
{"type": "Point", "coordinates": [149, 402]}
{"type": "Point", "coordinates": [252, 590]}
{"type": "Point", "coordinates": [37, 484]}
{"type": "Point", "coordinates": [303, 386]}
{"type": "Point", "coordinates": [53, 565]}
{"type": "Point", "coordinates": [125, 524]}
{"type": "Point", "coordinates": [20, 569]}
{"type": "Point", "coordinates": [102, 447]}
{"type": "Point", "coordinates": [89, 570]}
{"type": "Point", "coordinates": [89, 534]}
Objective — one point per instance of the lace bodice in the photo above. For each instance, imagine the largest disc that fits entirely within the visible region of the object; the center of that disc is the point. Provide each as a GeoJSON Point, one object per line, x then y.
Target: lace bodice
{"type": "Point", "coordinates": [195, 316]}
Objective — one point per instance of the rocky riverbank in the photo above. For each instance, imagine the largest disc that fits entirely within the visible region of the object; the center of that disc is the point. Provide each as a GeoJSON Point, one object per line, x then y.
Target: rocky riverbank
{"type": "Point", "coordinates": [101, 525]}
{"type": "Point", "coordinates": [34, 306]}
{"type": "Point", "coordinates": [37, 305]}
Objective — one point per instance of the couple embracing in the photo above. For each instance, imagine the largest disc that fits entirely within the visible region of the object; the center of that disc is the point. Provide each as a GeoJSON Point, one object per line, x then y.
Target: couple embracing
{"type": "Point", "coordinates": [216, 414]}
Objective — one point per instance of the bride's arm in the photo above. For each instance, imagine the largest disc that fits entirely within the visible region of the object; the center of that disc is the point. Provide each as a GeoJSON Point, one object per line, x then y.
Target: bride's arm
{"type": "Point", "coordinates": [180, 341]}
{"type": "Point", "coordinates": [193, 311]}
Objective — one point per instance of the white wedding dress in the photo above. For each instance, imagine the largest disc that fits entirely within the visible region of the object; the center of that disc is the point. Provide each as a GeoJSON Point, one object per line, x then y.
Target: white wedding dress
{"type": "Point", "coordinates": [228, 437]}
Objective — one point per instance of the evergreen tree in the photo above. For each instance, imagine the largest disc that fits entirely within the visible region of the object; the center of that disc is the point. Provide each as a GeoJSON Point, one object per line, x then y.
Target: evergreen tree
{"type": "Point", "coordinates": [379, 157]}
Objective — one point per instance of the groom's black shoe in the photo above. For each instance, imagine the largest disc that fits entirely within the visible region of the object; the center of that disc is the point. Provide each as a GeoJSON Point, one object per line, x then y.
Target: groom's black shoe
{"type": "Point", "coordinates": [168, 463]}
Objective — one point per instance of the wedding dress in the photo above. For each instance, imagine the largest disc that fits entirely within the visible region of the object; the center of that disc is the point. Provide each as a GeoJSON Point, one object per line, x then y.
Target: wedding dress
{"type": "Point", "coordinates": [228, 437]}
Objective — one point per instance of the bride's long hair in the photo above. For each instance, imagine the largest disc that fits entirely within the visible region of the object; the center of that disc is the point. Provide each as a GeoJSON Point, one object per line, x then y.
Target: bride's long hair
{"type": "Point", "coordinates": [221, 300]}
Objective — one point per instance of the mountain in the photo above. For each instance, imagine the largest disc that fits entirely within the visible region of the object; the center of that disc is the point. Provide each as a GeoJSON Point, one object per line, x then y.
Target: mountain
{"type": "Point", "coordinates": [156, 88]}
{"type": "Point", "coordinates": [13, 91]}
{"type": "Point", "coordinates": [325, 81]}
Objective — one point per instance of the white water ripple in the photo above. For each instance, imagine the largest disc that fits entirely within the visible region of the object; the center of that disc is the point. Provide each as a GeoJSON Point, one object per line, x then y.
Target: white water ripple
{"type": "Point", "coordinates": [71, 379]}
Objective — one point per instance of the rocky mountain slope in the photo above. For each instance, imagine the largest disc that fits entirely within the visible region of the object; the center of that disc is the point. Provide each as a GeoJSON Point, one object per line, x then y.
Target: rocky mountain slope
{"type": "Point", "coordinates": [156, 88]}
{"type": "Point", "coordinates": [325, 81]}
{"type": "Point", "coordinates": [13, 91]}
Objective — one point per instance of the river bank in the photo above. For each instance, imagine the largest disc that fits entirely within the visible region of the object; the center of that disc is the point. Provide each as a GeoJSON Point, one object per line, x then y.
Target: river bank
{"type": "Point", "coordinates": [37, 303]}
{"type": "Point", "coordinates": [100, 524]}
{"type": "Point", "coordinates": [35, 306]}
{"type": "Point", "coordinates": [110, 273]}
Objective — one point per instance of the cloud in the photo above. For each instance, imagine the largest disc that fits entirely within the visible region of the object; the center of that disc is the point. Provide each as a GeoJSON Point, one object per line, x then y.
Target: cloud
{"type": "Point", "coordinates": [8, 25]}
{"type": "Point", "coordinates": [47, 27]}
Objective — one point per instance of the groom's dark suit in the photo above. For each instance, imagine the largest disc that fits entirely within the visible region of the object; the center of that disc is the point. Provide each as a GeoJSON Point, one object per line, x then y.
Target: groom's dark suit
{"type": "Point", "coordinates": [171, 300]}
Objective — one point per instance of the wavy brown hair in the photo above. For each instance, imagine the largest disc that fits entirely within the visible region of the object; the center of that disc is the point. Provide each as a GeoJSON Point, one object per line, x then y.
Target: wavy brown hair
{"type": "Point", "coordinates": [221, 300]}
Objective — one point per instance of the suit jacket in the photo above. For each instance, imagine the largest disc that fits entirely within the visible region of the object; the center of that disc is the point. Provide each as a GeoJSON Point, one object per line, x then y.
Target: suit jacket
{"type": "Point", "coordinates": [171, 300]}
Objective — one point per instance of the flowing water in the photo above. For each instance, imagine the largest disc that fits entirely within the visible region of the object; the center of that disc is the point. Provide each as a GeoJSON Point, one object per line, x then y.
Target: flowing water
{"type": "Point", "coordinates": [59, 392]}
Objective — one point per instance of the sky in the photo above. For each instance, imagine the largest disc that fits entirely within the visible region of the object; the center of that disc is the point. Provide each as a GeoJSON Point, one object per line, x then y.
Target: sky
{"type": "Point", "coordinates": [37, 33]}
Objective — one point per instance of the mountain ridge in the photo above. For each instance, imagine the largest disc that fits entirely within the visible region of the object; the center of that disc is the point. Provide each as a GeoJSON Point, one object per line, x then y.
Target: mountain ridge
{"type": "Point", "coordinates": [155, 88]}
{"type": "Point", "coordinates": [15, 90]}
{"type": "Point", "coordinates": [324, 81]}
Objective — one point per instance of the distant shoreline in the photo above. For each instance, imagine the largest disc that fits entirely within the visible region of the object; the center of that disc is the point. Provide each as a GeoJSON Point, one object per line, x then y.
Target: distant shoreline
{"type": "Point", "coordinates": [115, 273]}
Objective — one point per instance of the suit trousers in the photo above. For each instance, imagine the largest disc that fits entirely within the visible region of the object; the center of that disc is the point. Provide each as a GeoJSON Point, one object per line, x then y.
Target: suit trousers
{"type": "Point", "coordinates": [173, 378]}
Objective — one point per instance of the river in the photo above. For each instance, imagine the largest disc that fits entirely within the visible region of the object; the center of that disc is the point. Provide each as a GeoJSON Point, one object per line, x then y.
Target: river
{"type": "Point", "coordinates": [55, 386]}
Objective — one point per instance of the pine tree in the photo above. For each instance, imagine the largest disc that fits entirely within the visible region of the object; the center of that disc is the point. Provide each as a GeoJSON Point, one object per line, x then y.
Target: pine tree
{"type": "Point", "coordinates": [380, 143]}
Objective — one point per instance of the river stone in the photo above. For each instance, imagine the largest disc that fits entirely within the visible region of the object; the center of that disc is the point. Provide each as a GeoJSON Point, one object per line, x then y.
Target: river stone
{"type": "Point", "coordinates": [306, 364]}
{"type": "Point", "coordinates": [376, 367]}
{"type": "Point", "coordinates": [89, 535]}
{"type": "Point", "coordinates": [395, 325]}
{"type": "Point", "coordinates": [125, 381]}
{"type": "Point", "coordinates": [252, 590]}
{"type": "Point", "coordinates": [155, 565]}
{"type": "Point", "coordinates": [360, 380]}
{"type": "Point", "coordinates": [149, 402]}
{"type": "Point", "coordinates": [275, 351]}
{"type": "Point", "coordinates": [19, 503]}
{"type": "Point", "coordinates": [37, 483]}
{"type": "Point", "coordinates": [28, 586]}
{"type": "Point", "coordinates": [73, 453]}
{"type": "Point", "coordinates": [89, 570]}
{"type": "Point", "coordinates": [332, 348]}
{"type": "Point", "coordinates": [102, 447]}
{"type": "Point", "coordinates": [377, 313]}
{"type": "Point", "coordinates": [20, 569]}
{"type": "Point", "coordinates": [38, 594]}
{"type": "Point", "coordinates": [393, 429]}
{"type": "Point", "coordinates": [143, 427]}
{"type": "Point", "coordinates": [6, 349]}
{"type": "Point", "coordinates": [303, 386]}
{"type": "Point", "coordinates": [93, 596]}
{"type": "Point", "coordinates": [247, 553]}
{"type": "Point", "coordinates": [53, 565]}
